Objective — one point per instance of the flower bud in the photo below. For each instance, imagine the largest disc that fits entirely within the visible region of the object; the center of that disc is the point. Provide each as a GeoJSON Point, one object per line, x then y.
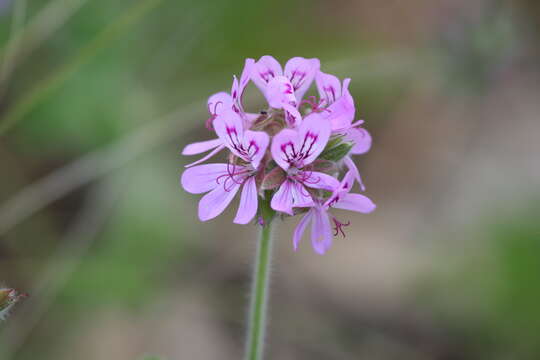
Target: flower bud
{"type": "Point", "coordinates": [8, 298]}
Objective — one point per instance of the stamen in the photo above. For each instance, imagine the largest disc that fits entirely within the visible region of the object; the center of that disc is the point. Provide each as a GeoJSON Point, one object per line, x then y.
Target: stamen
{"type": "Point", "coordinates": [232, 177]}
{"type": "Point", "coordinates": [308, 178]}
{"type": "Point", "coordinates": [311, 101]}
{"type": "Point", "coordinates": [339, 226]}
{"type": "Point", "coordinates": [211, 119]}
{"type": "Point", "coordinates": [209, 123]}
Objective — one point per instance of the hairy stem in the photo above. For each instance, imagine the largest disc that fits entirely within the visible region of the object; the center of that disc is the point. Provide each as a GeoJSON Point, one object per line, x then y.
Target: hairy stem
{"type": "Point", "coordinates": [259, 295]}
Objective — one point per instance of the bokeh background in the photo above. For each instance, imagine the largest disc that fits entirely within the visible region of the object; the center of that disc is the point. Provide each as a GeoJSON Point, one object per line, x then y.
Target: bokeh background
{"type": "Point", "coordinates": [97, 98]}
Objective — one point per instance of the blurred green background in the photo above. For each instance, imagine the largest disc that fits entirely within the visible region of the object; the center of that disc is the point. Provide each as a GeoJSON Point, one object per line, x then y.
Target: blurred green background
{"type": "Point", "coordinates": [97, 98]}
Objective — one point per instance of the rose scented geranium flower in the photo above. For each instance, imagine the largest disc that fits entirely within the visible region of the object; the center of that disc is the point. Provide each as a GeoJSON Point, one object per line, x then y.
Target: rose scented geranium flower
{"type": "Point", "coordinates": [289, 157]}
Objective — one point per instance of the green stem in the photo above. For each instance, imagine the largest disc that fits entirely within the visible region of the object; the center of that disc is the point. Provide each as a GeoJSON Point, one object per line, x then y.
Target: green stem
{"type": "Point", "coordinates": [259, 294]}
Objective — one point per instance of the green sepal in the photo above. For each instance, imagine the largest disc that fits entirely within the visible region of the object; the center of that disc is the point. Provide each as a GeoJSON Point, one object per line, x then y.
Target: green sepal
{"type": "Point", "coordinates": [337, 152]}
{"type": "Point", "coordinates": [333, 142]}
{"type": "Point", "coordinates": [325, 166]}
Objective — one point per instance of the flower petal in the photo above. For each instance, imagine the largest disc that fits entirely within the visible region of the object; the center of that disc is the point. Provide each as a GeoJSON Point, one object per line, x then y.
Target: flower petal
{"type": "Point", "coordinates": [284, 141]}
{"type": "Point", "coordinates": [230, 129]}
{"type": "Point", "coordinates": [319, 180]}
{"type": "Point", "coordinates": [207, 156]}
{"type": "Point", "coordinates": [215, 202]}
{"type": "Point", "coordinates": [301, 73]}
{"type": "Point", "coordinates": [201, 146]}
{"type": "Point", "coordinates": [341, 112]}
{"type": "Point", "coordinates": [321, 231]}
{"type": "Point", "coordinates": [354, 170]}
{"type": "Point", "coordinates": [300, 196]}
{"type": "Point", "coordinates": [356, 202]}
{"type": "Point", "coordinates": [219, 102]}
{"type": "Point", "coordinates": [248, 202]}
{"type": "Point", "coordinates": [250, 118]}
{"type": "Point", "coordinates": [345, 187]}
{"type": "Point", "coordinates": [265, 70]}
{"type": "Point", "coordinates": [283, 199]}
{"type": "Point", "coordinates": [255, 143]}
{"type": "Point", "coordinates": [246, 75]}
{"type": "Point", "coordinates": [314, 133]}
{"type": "Point", "coordinates": [329, 87]}
{"type": "Point", "coordinates": [235, 94]}
{"type": "Point", "coordinates": [361, 139]}
{"type": "Point", "coordinates": [300, 228]}
{"type": "Point", "coordinates": [292, 115]}
{"type": "Point", "coordinates": [200, 179]}
{"type": "Point", "coordinates": [238, 87]}
{"type": "Point", "coordinates": [279, 92]}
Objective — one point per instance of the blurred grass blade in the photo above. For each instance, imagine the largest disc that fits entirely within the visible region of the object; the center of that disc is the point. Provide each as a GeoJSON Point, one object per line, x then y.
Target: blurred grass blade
{"type": "Point", "coordinates": [92, 166]}
{"type": "Point", "coordinates": [48, 85]}
{"type": "Point", "coordinates": [19, 13]}
{"type": "Point", "coordinates": [53, 15]}
{"type": "Point", "coordinates": [62, 264]}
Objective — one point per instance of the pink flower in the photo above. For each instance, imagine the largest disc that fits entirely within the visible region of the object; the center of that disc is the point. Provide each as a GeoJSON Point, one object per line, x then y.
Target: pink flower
{"type": "Point", "coordinates": [248, 145]}
{"type": "Point", "coordinates": [318, 215]}
{"type": "Point", "coordinates": [340, 111]}
{"type": "Point", "coordinates": [361, 139]}
{"type": "Point", "coordinates": [294, 151]}
{"type": "Point", "coordinates": [218, 104]}
{"type": "Point", "coordinates": [224, 180]}
{"type": "Point", "coordinates": [221, 182]}
{"type": "Point", "coordinates": [337, 100]}
{"type": "Point", "coordinates": [284, 87]}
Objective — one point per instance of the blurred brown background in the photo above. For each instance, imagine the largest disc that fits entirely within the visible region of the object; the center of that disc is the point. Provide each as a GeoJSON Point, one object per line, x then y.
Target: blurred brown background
{"type": "Point", "coordinates": [97, 98]}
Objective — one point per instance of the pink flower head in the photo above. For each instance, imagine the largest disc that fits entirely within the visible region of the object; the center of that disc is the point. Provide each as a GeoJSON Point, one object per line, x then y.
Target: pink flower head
{"type": "Point", "coordinates": [318, 215]}
{"type": "Point", "coordinates": [300, 170]}
{"type": "Point", "coordinates": [293, 151]}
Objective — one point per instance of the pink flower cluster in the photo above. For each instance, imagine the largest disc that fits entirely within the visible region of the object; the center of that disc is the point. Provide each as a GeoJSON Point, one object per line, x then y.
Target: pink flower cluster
{"type": "Point", "coordinates": [290, 154]}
